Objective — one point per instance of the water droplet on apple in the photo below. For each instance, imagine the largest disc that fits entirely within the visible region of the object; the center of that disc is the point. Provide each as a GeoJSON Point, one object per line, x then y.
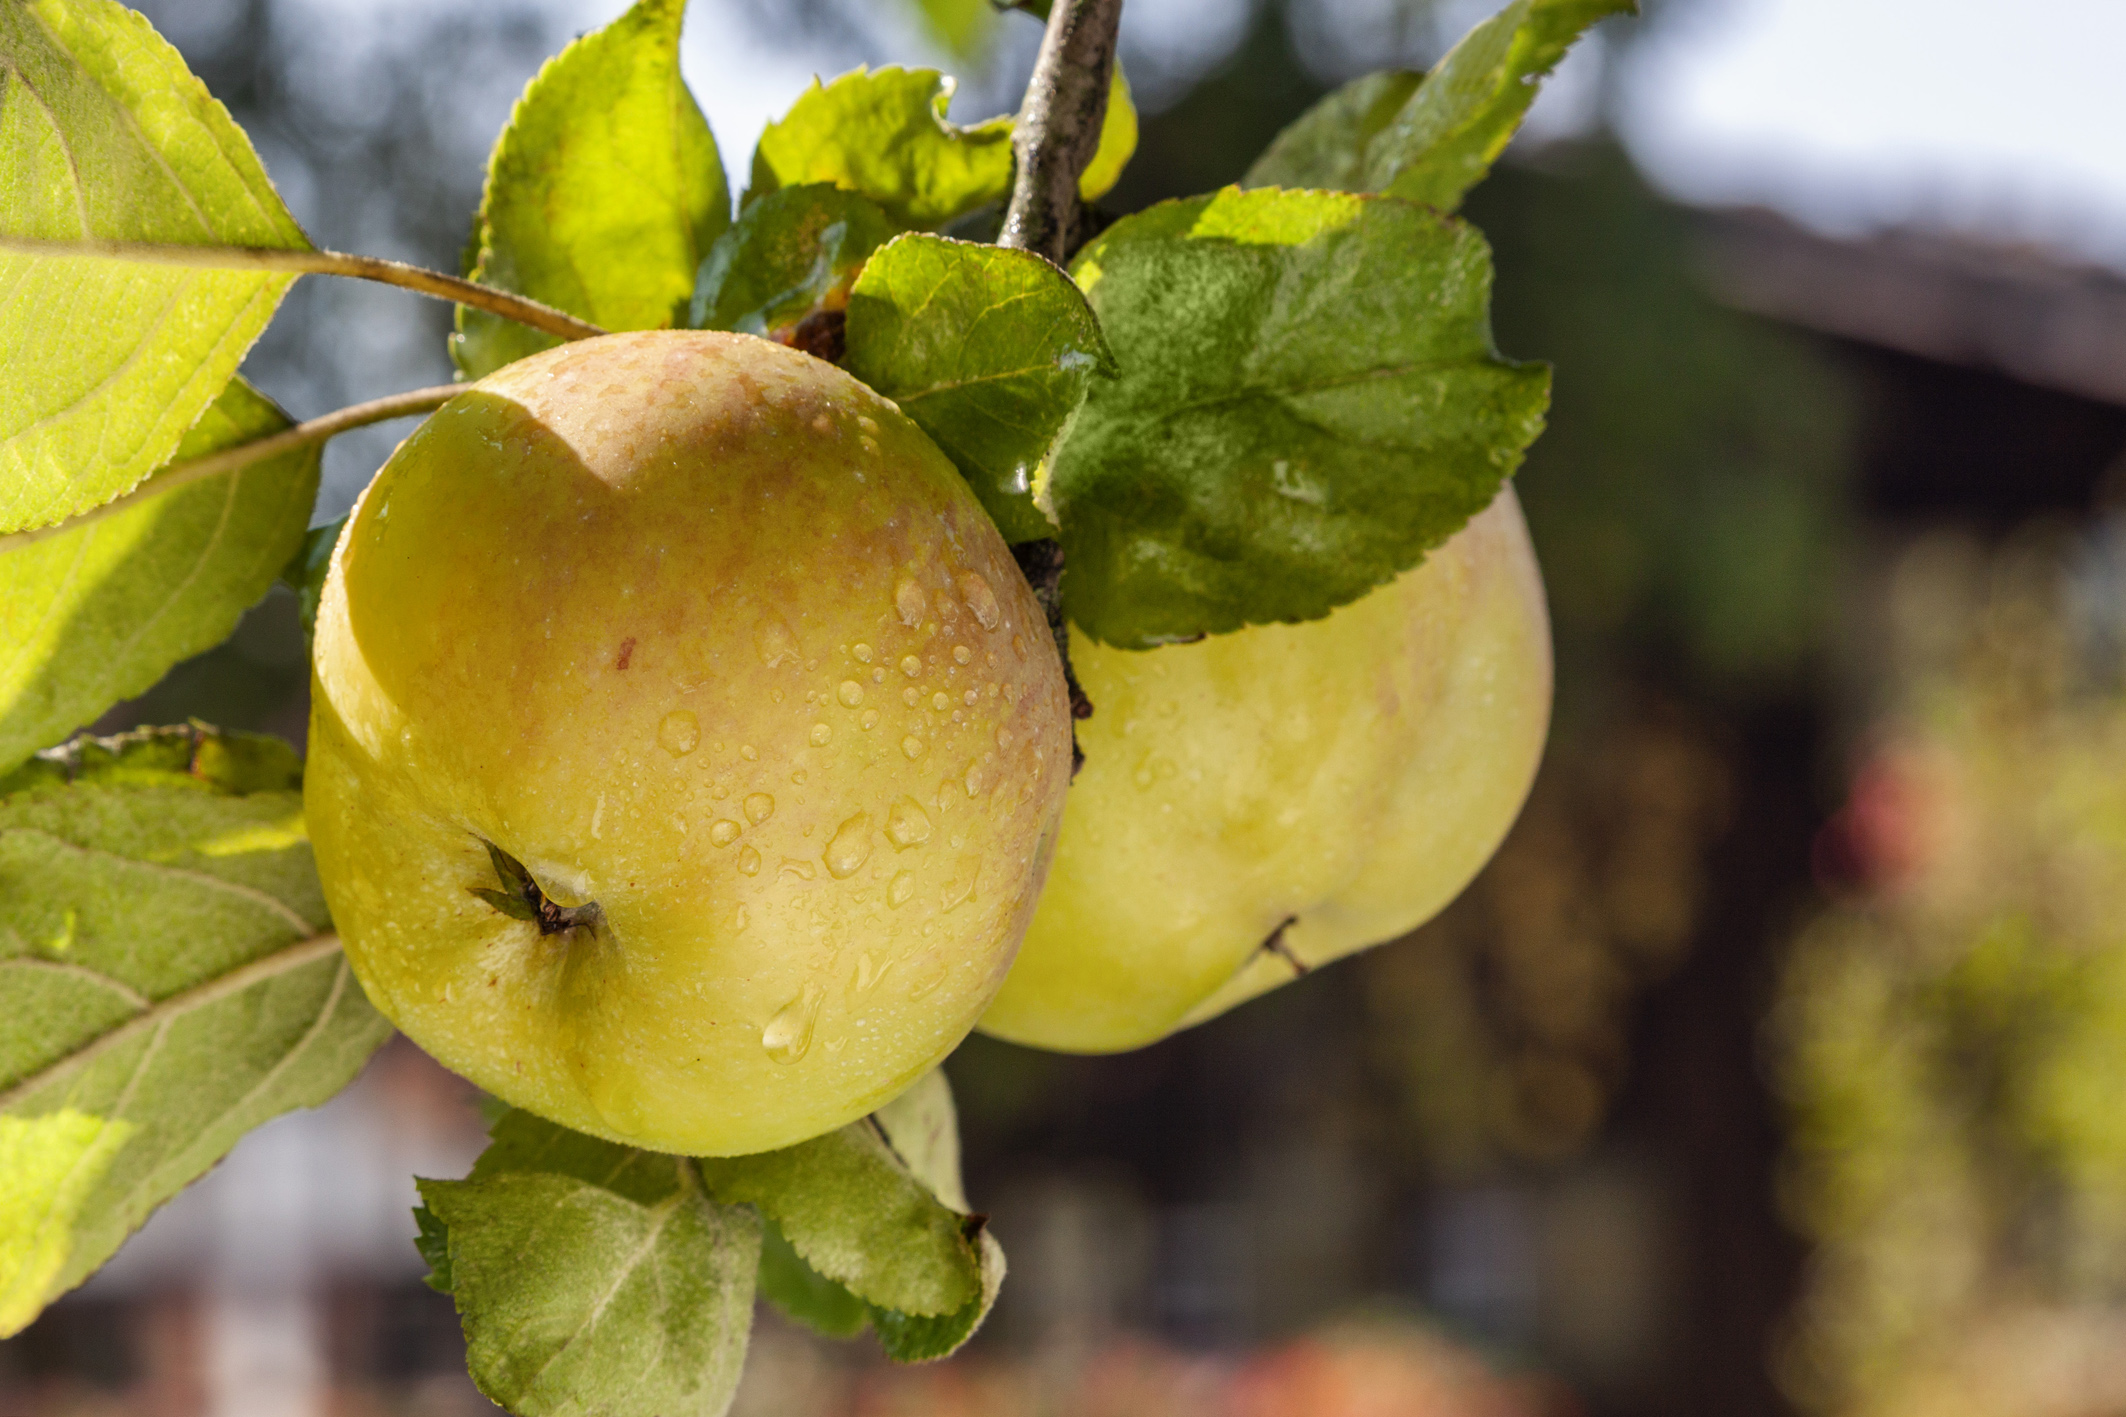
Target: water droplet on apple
{"type": "Point", "coordinates": [851, 693]}
{"type": "Point", "coordinates": [862, 653]}
{"type": "Point", "coordinates": [724, 832]}
{"type": "Point", "coordinates": [869, 972]}
{"type": "Point", "coordinates": [759, 807]}
{"type": "Point", "coordinates": [975, 780]}
{"type": "Point", "coordinates": [791, 866]}
{"type": "Point", "coordinates": [679, 732]}
{"type": "Point", "coordinates": [908, 598]}
{"type": "Point", "coordinates": [939, 702]}
{"type": "Point", "coordinates": [870, 719]}
{"type": "Point", "coordinates": [850, 847]}
{"type": "Point", "coordinates": [749, 862]}
{"type": "Point", "coordinates": [928, 983]}
{"type": "Point", "coordinates": [911, 696]}
{"type": "Point", "coordinates": [961, 654]}
{"type": "Point", "coordinates": [739, 921]}
{"type": "Point", "coordinates": [902, 887]}
{"type": "Point", "coordinates": [960, 889]}
{"type": "Point", "coordinates": [907, 824]}
{"type": "Point", "coordinates": [971, 697]}
{"type": "Point", "coordinates": [775, 640]}
{"type": "Point", "coordinates": [912, 746]}
{"type": "Point", "coordinates": [911, 666]}
{"type": "Point", "coordinates": [820, 734]}
{"type": "Point", "coordinates": [788, 1035]}
{"type": "Point", "coordinates": [981, 600]}
{"type": "Point", "coordinates": [1018, 645]}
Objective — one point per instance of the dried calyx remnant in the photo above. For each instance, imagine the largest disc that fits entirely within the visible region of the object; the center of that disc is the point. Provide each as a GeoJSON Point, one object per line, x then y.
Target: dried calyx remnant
{"type": "Point", "coordinates": [521, 899]}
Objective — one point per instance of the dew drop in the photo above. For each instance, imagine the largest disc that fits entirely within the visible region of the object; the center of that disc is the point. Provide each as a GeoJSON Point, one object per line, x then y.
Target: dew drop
{"type": "Point", "coordinates": [1003, 735]}
{"type": "Point", "coordinates": [870, 718]}
{"type": "Point", "coordinates": [907, 824]}
{"type": "Point", "coordinates": [975, 780]}
{"type": "Point", "coordinates": [961, 654]}
{"type": "Point", "coordinates": [739, 921]}
{"type": "Point", "coordinates": [911, 666]}
{"type": "Point", "coordinates": [869, 971]}
{"type": "Point", "coordinates": [928, 983]}
{"type": "Point", "coordinates": [851, 693]}
{"type": "Point", "coordinates": [869, 445]}
{"type": "Point", "coordinates": [862, 653]}
{"type": "Point", "coordinates": [759, 807]}
{"type": "Point", "coordinates": [746, 751]}
{"type": "Point", "coordinates": [908, 598]}
{"type": "Point", "coordinates": [679, 732]}
{"type": "Point", "coordinates": [724, 832]}
{"type": "Point", "coordinates": [971, 697]}
{"type": "Point", "coordinates": [947, 611]}
{"type": "Point", "coordinates": [866, 425]}
{"type": "Point", "coordinates": [981, 600]}
{"type": "Point", "coordinates": [775, 640]}
{"type": "Point", "coordinates": [850, 847]}
{"type": "Point", "coordinates": [912, 746]}
{"type": "Point", "coordinates": [940, 702]}
{"type": "Point", "coordinates": [788, 1035]}
{"type": "Point", "coordinates": [1018, 645]}
{"type": "Point", "coordinates": [798, 776]}
{"type": "Point", "coordinates": [791, 866]}
{"type": "Point", "coordinates": [903, 887]}
{"type": "Point", "coordinates": [820, 734]}
{"type": "Point", "coordinates": [878, 676]}
{"type": "Point", "coordinates": [911, 696]}
{"type": "Point", "coordinates": [749, 862]}
{"type": "Point", "coordinates": [960, 889]}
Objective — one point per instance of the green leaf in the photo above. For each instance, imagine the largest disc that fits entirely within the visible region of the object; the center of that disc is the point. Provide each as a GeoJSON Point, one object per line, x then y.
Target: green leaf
{"type": "Point", "coordinates": [1118, 141]}
{"type": "Point", "coordinates": [883, 133]}
{"type": "Point", "coordinates": [989, 350]}
{"type": "Point", "coordinates": [165, 982]}
{"type": "Point", "coordinates": [594, 1278]}
{"type": "Point", "coordinates": [105, 135]}
{"type": "Point", "coordinates": [603, 193]}
{"type": "Point", "coordinates": [432, 1239]}
{"type": "Point", "coordinates": [98, 613]}
{"type": "Point", "coordinates": [1309, 401]}
{"type": "Point", "coordinates": [877, 1209]}
{"type": "Point", "coordinates": [803, 1293]}
{"type": "Point", "coordinates": [305, 572]}
{"type": "Point", "coordinates": [788, 254]}
{"type": "Point", "coordinates": [1430, 138]}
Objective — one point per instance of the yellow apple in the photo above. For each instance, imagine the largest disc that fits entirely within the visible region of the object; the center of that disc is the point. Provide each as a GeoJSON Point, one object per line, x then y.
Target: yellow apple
{"type": "Point", "coordinates": [1259, 803]}
{"type": "Point", "coordinates": [685, 746]}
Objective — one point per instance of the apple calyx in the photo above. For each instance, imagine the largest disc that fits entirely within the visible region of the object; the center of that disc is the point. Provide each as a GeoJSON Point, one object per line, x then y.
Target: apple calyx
{"type": "Point", "coordinates": [521, 899]}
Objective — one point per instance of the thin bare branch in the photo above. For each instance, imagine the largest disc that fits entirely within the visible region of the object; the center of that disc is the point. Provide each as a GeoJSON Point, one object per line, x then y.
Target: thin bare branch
{"type": "Point", "coordinates": [327, 263]}
{"type": "Point", "coordinates": [1059, 127]}
{"type": "Point", "coordinates": [184, 474]}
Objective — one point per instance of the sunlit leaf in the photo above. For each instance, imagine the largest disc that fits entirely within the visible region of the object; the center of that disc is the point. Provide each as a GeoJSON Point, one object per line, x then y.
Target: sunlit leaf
{"type": "Point", "coordinates": [104, 365]}
{"type": "Point", "coordinates": [97, 614]}
{"type": "Point", "coordinates": [165, 982]}
{"type": "Point", "coordinates": [989, 350]}
{"type": "Point", "coordinates": [603, 194]}
{"type": "Point", "coordinates": [593, 1278]}
{"type": "Point", "coordinates": [1118, 142]}
{"type": "Point", "coordinates": [1308, 401]}
{"type": "Point", "coordinates": [1431, 137]}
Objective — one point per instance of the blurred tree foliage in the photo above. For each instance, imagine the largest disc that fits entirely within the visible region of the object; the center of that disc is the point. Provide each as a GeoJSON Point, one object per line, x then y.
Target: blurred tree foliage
{"type": "Point", "coordinates": [1952, 1035]}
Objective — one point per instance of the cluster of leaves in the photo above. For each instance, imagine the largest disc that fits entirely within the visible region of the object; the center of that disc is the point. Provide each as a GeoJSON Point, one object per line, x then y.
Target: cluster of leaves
{"type": "Point", "coordinates": [1243, 407]}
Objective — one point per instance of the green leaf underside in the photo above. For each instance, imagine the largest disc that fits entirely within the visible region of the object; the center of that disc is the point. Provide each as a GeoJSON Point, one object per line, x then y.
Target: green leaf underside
{"type": "Point", "coordinates": [640, 1300]}
{"type": "Point", "coordinates": [1309, 401]}
{"type": "Point", "coordinates": [883, 133]}
{"type": "Point", "coordinates": [789, 253]}
{"type": "Point", "coordinates": [163, 983]}
{"type": "Point", "coordinates": [97, 614]}
{"type": "Point", "coordinates": [105, 135]}
{"type": "Point", "coordinates": [603, 193]}
{"type": "Point", "coordinates": [989, 350]}
{"type": "Point", "coordinates": [1431, 137]}
{"type": "Point", "coordinates": [804, 1294]}
{"type": "Point", "coordinates": [305, 572]}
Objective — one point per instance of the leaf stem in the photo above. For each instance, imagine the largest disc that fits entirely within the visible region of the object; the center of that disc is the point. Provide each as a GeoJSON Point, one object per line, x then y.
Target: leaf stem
{"type": "Point", "coordinates": [509, 306]}
{"type": "Point", "coordinates": [1059, 127]}
{"type": "Point", "coordinates": [220, 987]}
{"type": "Point", "coordinates": [184, 474]}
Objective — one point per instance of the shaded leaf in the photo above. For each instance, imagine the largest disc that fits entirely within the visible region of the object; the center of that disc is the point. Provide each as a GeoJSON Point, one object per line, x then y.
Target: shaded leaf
{"type": "Point", "coordinates": [886, 1224]}
{"type": "Point", "coordinates": [105, 135]}
{"type": "Point", "coordinates": [99, 613]}
{"type": "Point", "coordinates": [789, 253]}
{"type": "Point", "coordinates": [603, 193]}
{"type": "Point", "coordinates": [1431, 137]}
{"type": "Point", "coordinates": [989, 350]}
{"type": "Point", "coordinates": [593, 1278]}
{"type": "Point", "coordinates": [883, 133]}
{"type": "Point", "coordinates": [165, 982]}
{"type": "Point", "coordinates": [804, 1294]}
{"type": "Point", "coordinates": [305, 572]}
{"type": "Point", "coordinates": [1308, 401]}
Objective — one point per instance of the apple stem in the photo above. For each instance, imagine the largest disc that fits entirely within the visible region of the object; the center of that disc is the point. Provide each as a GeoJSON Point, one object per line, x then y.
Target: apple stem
{"type": "Point", "coordinates": [508, 305]}
{"type": "Point", "coordinates": [1059, 128]}
{"type": "Point", "coordinates": [243, 455]}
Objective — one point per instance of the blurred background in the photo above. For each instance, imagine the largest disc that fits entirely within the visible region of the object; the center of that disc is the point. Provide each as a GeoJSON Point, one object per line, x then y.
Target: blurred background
{"type": "Point", "coordinates": [1778, 1062]}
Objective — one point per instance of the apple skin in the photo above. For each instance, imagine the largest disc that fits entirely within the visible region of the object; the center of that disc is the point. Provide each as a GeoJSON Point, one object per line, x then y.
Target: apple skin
{"type": "Point", "coordinates": [1353, 772]}
{"type": "Point", "coordinates": [704, 631]}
